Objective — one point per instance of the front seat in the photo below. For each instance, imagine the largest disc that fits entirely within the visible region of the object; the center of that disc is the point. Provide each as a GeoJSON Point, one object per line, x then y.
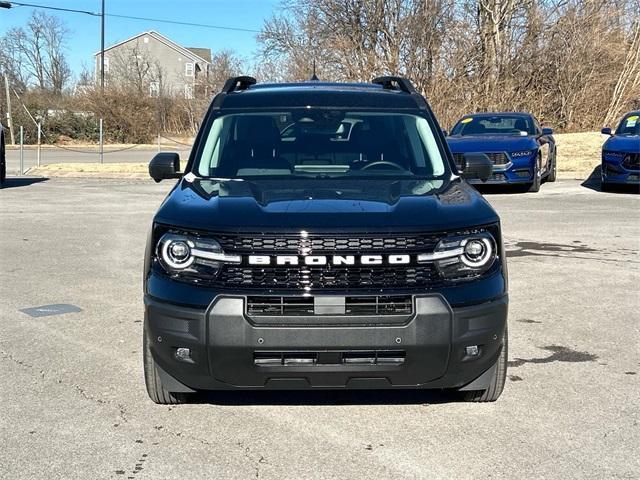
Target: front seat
{"type": "Point", "coordinates": [521, 124]}
{"type": "Point", "coordinates": [257, 140]}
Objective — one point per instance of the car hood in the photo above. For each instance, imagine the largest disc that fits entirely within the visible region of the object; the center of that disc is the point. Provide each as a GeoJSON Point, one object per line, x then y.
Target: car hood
{"type": "Point", "coordinates": [324, 205]}
{"type": "Point", "coordinates": [491, 143]}
{"type": "Point", "coordinates": [623, 143]}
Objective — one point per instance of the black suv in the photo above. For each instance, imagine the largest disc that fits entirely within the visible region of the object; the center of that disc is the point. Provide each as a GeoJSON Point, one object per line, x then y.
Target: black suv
{"type": "Point", "coordinates": [321, 237]}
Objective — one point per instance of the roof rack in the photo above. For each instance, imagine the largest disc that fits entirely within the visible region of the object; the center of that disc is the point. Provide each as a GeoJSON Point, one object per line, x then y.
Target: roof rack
{"type": "Point", "coordinates": [395, 83]}
{"type": "Point", "coordinates": [238, 83]}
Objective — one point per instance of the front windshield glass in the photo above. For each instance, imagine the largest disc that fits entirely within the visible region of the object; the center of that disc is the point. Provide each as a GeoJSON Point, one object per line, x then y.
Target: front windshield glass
{"type": "Point", "coordinates": [318, 143]}
{"type": "Point", "coordinates": [630, 125]}
{"type": "Point", "coordinates": [495, 125]}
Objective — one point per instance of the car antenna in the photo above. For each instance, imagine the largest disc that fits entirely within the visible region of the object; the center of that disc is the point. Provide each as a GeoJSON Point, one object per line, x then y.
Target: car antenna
{"type": "Point", "coordinates": [314, 77]}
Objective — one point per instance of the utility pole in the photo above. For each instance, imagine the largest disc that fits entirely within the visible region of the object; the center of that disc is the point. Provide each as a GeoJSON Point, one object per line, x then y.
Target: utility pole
{"type": "Point", "coordinates": [102, 49]}
{"type": "Point", "coordinates": [9, 117]}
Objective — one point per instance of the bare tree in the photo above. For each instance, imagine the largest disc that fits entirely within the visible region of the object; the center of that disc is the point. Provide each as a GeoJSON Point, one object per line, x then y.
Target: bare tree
{"type": "Point", "coordinates": [35, 54]}
{"type": "Point", "coordinates": [627, 86]}
{"type": "Point", "coordinates": [224, 64]}
{"type": "Point", "coordinates": [567, 61]}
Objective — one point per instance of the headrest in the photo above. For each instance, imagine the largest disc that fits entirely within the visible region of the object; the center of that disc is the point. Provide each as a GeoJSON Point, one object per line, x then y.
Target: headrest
{"type": "Point", "coordinates": [257, 129]}
{"type": "Point", "coordinates": [475, 128]}
{"type": "Point", "coordinates": [521, 124]}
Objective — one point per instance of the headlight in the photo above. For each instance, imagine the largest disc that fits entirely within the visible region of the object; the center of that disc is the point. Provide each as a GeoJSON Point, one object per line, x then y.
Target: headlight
{"type": "Point", "coordinates": [463, 257]}
{"type": "Point", "coordinates": [523, 153]}
{"type": "Point", "coordinates": [191, 257]}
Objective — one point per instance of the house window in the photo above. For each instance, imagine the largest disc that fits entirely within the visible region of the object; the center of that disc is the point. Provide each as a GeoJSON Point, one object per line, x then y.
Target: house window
{"type": "Point", "coordinates": [189, 69]}
{"type": "Point", "coordinates": [188, 91]}
{"type": "Point", "coordinates": [154, 89]}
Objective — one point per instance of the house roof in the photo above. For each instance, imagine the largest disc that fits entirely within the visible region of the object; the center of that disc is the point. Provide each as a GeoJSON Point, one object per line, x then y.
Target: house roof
{"type": "Point", "coordinates": [192, 53]}
{"type": "Point", "coordinates": [204, 53]}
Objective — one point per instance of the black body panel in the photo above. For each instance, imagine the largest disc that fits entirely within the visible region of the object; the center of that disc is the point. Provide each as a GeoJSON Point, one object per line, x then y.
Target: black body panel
{"type": "Point", "coordinates": [336, 326]}
{"type": "Point", "coordinates": [225, 343]}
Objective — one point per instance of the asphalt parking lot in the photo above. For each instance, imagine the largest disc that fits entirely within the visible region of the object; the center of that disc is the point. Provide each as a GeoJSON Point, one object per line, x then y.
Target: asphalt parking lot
{"type": "Point", "coordinates": [73, 403]}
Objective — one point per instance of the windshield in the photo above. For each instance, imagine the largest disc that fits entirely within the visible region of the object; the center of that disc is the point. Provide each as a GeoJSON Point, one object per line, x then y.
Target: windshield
{"type": "Point", "coordinates": [630, 125]}
{"type": "Point", "coordinates": [320, 143]}
{"type": "Point", "coordinates": [495, 125]}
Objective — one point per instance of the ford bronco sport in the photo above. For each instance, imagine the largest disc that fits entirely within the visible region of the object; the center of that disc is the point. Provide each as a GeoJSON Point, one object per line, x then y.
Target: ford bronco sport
{"type": "Point", "coordinates": [322, 237]}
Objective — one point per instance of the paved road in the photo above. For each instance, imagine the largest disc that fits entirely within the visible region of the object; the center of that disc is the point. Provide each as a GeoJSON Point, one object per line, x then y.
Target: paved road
{"type": "Point", "coordinates": [73, 399]}
{"type": "Point", "coordinates": [84, 155]}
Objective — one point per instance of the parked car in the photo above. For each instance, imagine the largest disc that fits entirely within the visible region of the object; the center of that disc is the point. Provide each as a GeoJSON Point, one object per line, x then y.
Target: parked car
{"type": "Point", "coordinates": [621, 152]}
{"type": "Point", "coordinates": [3, 156]}
{"type": "Point", "coordinates": [320, 237]}
{"type": "Point", "coordinates": [522, 152]}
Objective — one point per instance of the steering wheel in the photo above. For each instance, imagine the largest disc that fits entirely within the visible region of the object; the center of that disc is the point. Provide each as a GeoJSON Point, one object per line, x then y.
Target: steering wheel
{"type": "Point", "coordinates": [381, 163]}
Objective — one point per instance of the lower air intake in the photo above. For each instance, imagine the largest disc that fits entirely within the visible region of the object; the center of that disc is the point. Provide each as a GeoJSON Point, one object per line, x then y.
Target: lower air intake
{"type": "Point", "coordinates": [375, 305]}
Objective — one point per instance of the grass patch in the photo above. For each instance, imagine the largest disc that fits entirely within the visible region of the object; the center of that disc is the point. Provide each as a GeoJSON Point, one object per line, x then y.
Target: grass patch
{"type": "Point", "coordinates": [578, 153]}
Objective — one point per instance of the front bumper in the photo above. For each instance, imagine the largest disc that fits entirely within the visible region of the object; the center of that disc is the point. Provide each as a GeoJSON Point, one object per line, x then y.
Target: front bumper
{"type": "Point", "coordinates": [225, 343]}
{"type": "Point", "coordinates": [616, 173]}
{"type": "Point", "coordinates": [517, 172]}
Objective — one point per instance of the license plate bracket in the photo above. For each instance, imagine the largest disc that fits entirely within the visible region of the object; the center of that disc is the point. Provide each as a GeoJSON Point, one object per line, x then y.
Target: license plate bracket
{"type": "Point", "coordinates": [329, 305]}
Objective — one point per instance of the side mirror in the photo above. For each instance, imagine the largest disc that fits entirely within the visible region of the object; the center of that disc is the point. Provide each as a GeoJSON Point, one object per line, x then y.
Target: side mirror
{"type": "Point", "coordinates": [606, 131]}
{"type": "Point", "coordinates": [547, 131]}
{"type": "Point", "coordinates": [476, 166]}
{"type": "Point", "coordinates": [165, 165]}
{"type": "Point", "coordinates": [445, 133]}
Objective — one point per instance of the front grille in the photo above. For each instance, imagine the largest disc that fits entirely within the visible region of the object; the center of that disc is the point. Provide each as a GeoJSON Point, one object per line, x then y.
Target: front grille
{"type": "Point", "coordinates": [297, 245]}
{"type": "Point", "coordinates": [298, 306]}
{"type": "Point", "coordinates": [631, 161]}
{"type": "Point", "coordinates": [497, 158]}
{"type": "Point", "coordinates": [329, 277]}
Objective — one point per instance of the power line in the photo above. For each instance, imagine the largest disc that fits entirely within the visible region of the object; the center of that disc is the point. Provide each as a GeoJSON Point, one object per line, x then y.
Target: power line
{"type": "Point", "coordinates": [175, 22]}
{"type": "Point", "coordinates": [130, 17]}
{"type": "Point", "coordinates": [48, 7]}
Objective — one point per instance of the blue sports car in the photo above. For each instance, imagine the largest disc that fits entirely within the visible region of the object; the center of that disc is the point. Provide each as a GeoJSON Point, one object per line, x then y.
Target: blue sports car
{"type": "Point", "coordinates": [522, 152]}
{"type": "Point", "coordinates": [621, 152]}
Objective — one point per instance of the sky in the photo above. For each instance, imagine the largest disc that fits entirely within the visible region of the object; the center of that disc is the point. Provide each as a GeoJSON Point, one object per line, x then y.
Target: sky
{"type": "Point", "coordinates": [84, 39]}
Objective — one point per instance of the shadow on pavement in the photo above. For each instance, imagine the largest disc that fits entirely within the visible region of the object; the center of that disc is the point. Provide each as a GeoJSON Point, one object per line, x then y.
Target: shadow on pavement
{"type": "Point", "coordinates": [593, 183]}
{"type": "Point", "coordinates": [13, 182]}
{"type": "Point", "coordinates": [327, 397]}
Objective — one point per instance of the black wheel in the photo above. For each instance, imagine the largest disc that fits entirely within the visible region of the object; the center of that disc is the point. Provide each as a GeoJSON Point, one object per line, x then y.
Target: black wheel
{"type": "Point", "coordinates": [155, 389]}
{"type": "Point", "coordinates": [537, 178]}
{"type": "Point", "coordinates": [552, 172]}
{"type": "Point", "coordinates": [496, 386]}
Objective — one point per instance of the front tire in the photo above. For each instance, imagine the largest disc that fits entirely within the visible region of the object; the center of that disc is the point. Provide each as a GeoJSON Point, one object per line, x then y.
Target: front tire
{"type": "Point", "coordinates": [537, 178]}
{"type": "Point", "coordinates": [552, 173]}
{"type": "Point", "coordinates": [496, 384]}
{"type": "Point", "coordinates": [152, 379]}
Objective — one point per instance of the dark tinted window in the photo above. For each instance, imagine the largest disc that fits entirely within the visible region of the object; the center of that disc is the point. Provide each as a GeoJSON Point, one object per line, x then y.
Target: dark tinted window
{"type": "Point", "coordinates": [319, 142]}
{"type": "Point", "coordinates": [630, 125]}
{"type": "Point", "coordinates": [495, 125]}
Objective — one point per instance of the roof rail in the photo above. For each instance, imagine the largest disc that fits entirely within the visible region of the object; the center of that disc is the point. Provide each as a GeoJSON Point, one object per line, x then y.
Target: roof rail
{"type": "Point", "coordinates": [238, 83]}
{"type": "Point", "coordinates": [395, 83]}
